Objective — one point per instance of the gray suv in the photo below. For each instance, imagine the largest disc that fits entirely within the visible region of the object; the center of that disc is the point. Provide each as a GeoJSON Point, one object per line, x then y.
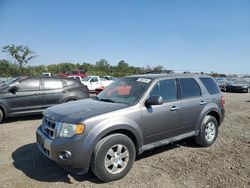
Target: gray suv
{"type": "Point", "coordinates": [130, 116]}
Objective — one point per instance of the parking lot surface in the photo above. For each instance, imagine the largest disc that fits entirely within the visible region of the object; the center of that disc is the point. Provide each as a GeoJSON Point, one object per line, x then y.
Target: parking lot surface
{"type": "Point", "coordinates": [181, 164]}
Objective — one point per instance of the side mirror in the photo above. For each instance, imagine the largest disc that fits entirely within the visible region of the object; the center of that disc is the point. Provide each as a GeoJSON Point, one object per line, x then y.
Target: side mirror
{"type": "Point", "coordinates": [154, 100]}
{"type": "Point", "coordinates": [13, 89]}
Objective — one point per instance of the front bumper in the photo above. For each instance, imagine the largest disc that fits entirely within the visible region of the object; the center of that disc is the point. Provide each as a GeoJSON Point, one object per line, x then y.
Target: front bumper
{"type": "Point", "coordinates": [80, 157]}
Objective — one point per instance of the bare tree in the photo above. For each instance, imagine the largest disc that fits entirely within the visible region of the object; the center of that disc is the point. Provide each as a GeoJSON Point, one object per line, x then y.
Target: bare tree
{"type": "Point", "coordinates": [21, 54]}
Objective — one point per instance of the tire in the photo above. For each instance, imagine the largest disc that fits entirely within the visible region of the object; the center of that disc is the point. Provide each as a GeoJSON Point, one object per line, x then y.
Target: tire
{"type": "Point", "coordinates": [208, 132]}
{"type": "Point", "coordinates": [119, 165]}
{"type": "Point", "coordinates": [1, 116]}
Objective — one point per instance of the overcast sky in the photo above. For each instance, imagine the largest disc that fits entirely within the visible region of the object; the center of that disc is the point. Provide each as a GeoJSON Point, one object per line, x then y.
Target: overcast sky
{"type": "Point", "coordinates": [181, 35]}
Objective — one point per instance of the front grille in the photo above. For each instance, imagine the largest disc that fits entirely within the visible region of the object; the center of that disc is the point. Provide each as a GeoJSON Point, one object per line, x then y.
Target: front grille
{"type": "Point", "coordinates": [50, 127]}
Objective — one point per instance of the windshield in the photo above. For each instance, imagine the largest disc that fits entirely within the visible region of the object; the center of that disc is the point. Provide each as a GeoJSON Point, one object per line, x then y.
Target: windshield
{"type": "Point", "coordinates": [125, 90]}
{"type": "Point", "coordinates": [86, 78]}
{"type": "Point", "coordinates": [10, 81]}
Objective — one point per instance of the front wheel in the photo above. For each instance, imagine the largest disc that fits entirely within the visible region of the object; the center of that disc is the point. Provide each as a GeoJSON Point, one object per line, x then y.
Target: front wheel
{"type": "Point", "coordinates": [113, 157]}
{"type": "Point", "coordinates": [208, 131]}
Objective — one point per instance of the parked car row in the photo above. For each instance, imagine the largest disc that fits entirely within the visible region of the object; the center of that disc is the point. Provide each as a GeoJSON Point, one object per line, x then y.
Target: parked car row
{"type": "Point", "coordinates": [233, 85]}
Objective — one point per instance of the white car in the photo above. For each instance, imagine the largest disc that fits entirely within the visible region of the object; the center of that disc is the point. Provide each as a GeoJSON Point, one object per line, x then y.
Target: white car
{"type": "Point", "coordinates": [94, 82]}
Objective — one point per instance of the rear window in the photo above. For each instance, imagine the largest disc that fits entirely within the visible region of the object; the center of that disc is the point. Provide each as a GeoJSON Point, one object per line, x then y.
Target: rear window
{"type": "Point", "coordinates": [189, 88]}
{"type": "Point", "coordinates": [210, 85]}
{"type": "Point", "coordinates": [53, 84]}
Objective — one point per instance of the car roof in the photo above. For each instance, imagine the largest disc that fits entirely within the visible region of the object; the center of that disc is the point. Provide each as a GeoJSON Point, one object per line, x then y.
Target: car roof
{"type": "Point", "coordinates": [170, 75]}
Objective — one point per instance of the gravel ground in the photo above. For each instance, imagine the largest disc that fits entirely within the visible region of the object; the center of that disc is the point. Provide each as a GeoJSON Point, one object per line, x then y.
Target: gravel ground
{"type": "Point", "coordinates": [182, 164]}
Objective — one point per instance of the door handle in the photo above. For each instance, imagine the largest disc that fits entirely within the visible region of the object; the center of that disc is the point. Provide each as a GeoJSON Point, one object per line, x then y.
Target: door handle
{"type": "Point", "coordinates": [203, 102]}
{"type": "Point", "coordinates": [174, 108]}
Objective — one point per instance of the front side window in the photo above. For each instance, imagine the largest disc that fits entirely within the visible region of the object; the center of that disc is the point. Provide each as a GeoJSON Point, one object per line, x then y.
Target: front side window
{"type": "Point", "coordinates": [165, 88]}
{"type": "Point", "coordinates": [52, 84]}
{"type": "Point", "coordinates": [189, 88]}
{"type": "Point", "coordinates": [29, 85]}
{"type": "Point", "coordinates": [94, 79]}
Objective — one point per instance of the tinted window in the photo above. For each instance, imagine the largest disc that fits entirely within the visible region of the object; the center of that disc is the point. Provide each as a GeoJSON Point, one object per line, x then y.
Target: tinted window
{"type": "Point", "coordinates": [165, 88]}
{"type": "Point", "coordinates": [29, 85]}
{"type": "Point", "coordinates": [189, 88]}
{"type": "Point", "coordinates": [210, 85]}
{"type": "Point", "coordinates": [94, 79]}
{"type": "Point", "coordinates": [53, 84]}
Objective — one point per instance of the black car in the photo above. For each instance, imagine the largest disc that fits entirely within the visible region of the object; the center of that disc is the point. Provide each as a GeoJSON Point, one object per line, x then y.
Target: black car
{"type": "Point", "coordinates": [222, 83]}
{"type": "Point", "coordinates": [238, 86]}
{"type": "Point", "coordinates": [31, 95]}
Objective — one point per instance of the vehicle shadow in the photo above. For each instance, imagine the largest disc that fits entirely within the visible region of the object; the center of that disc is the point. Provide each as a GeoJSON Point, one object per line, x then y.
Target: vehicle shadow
{"type": "Point", "coordinates": [247, 101]}
{"type": "Point", "coordinates": [35, 165]}
{"type": "Point", "coordinates": [23, 118]}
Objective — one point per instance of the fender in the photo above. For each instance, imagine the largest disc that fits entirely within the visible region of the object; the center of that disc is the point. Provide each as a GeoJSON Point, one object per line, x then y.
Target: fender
{"type": "Point", "coordinates": [208, 108]}
{"type": "Point", "coordinates": [106, 127]}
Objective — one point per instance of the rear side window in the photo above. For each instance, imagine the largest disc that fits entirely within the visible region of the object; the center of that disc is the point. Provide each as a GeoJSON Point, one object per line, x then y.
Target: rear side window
{"type": "Point", "coordinates": [210, 85]}
{"type": "Point", "coordinates": [53, 84]}
{"type": "Point", "coordinates": [189, 88]}
{"type": "Point", "coordinates": [165, 88]}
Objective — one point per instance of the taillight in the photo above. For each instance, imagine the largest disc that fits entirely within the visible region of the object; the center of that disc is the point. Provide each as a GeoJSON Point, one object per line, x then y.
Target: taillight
{"type": "Point", "coordinates": [223, 102]}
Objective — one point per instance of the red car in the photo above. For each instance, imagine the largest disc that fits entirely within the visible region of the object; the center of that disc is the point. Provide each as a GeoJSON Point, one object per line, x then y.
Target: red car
{"type": "Point", "coordinates": [75, 73]}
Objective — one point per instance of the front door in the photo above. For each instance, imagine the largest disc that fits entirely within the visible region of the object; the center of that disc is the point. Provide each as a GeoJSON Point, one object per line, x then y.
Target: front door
{"type": "Point", "coordinates": [27, 98]}
{"type": "Point", "coordinates": [162, 121]}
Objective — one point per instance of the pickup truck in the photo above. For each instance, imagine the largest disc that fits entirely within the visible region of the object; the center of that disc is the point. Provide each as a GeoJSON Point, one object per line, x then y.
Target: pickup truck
{"type": "Point", "coordinates": [94, 82]}
{"type": "Point", "coordinates": [75, 73]}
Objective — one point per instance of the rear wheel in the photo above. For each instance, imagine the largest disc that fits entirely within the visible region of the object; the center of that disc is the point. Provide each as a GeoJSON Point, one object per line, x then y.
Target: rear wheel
{"type": "Point", "coordinates": [113, 157]}
{"type": "Point", "coordinates": [208, 131]}
{"type": "Point", "coordinates": [1, 115]}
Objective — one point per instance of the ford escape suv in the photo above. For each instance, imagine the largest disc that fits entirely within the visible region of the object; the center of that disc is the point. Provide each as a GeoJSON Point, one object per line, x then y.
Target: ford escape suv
{"type": "Point", "coordinates": [130, 116]}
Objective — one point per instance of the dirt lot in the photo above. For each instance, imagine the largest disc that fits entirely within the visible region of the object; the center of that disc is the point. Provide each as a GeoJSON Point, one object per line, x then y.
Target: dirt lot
{"type": "Point", "coordinates": [182, 164]}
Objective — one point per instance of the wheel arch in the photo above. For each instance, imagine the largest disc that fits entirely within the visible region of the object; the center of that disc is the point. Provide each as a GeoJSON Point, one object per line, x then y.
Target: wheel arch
{"type": "Point", "coordinates": [215, 114]}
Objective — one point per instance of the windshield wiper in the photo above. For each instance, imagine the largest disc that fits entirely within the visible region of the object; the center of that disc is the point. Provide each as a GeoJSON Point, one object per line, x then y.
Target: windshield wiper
{"type": "Point", "coordinates": [107, 100]}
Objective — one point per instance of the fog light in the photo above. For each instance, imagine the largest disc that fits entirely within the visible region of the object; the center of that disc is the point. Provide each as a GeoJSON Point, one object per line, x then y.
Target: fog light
{"type": "Point", "coordinates": [65, 155]}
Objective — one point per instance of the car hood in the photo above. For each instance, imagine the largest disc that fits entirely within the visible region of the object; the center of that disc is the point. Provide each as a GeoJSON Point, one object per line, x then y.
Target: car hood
{"type": "Point", "coordinates": [77, 111]}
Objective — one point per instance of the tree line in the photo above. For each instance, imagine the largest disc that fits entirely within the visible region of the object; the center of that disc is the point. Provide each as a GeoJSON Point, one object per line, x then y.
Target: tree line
{"type": "Point", "coordinates": [101, 68]}
{"type": "Point", "coordinates": [21, 56]}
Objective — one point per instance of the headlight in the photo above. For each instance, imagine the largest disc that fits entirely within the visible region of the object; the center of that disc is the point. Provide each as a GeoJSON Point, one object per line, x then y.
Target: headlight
{"type": "Point", "coordinates": [69, 130]}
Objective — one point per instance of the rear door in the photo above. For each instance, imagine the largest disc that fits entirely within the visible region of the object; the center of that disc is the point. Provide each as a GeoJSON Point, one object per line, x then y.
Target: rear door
{"type": "Point", "coordinates": [27, 97]}
{"type": "Point", "coordinates": [192, 102]}
{"type": "Point", "coordinates": [53, 92]}
{"type": "Point", "coordinates": [162, 121]}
